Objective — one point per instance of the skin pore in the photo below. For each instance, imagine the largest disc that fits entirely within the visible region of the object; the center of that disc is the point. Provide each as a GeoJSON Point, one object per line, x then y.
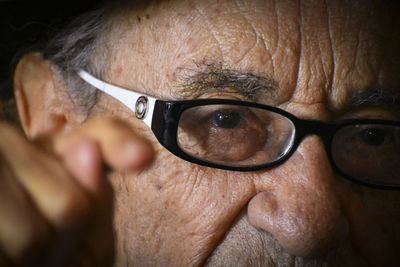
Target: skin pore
{"type": "Point", "coordinates": [311, 58]}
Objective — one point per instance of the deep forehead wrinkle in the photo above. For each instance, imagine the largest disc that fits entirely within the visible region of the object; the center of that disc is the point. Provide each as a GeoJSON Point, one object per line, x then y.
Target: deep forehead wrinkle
{"type": "Point", "coordinates": [210, 78]}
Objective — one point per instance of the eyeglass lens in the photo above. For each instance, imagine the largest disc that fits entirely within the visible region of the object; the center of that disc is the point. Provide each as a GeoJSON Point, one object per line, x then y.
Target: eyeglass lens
{"type": "Point", "coordinates": [369, 152]}
{"type": "Point", "coordinates": [242, 136]}
{"type": "Point", "coordinates": [234, 135]}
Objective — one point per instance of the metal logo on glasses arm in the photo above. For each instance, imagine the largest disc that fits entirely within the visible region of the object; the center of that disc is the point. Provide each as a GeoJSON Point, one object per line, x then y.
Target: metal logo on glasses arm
{"type": "Point", "coordinates": [140, 104]}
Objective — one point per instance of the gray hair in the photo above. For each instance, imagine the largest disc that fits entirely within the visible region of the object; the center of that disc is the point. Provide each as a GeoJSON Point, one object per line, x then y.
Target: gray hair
{"type": "Point", "coordinates": [71, 47]}
{"type": "Point", "coordinates": [84, 44]}
{"type": "Point", "coordinates": [77, 47]}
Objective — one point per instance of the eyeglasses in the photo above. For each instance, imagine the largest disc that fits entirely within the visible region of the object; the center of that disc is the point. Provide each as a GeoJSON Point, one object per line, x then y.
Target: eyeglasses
{"type": "Point", "coordinates": [244, 136]}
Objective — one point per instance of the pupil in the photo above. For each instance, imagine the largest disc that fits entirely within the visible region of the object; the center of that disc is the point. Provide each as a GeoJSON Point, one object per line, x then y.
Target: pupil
{"type": "Point", "coordinates": [226, 119]}
{"type": "Point", "coordinates": [373, 137]}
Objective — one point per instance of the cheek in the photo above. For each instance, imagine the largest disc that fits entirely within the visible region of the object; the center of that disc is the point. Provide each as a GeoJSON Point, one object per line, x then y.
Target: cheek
{"type": "Point", "coordinates": [175, 202]}
{"type": "Point", "coordinates": [374, 221]}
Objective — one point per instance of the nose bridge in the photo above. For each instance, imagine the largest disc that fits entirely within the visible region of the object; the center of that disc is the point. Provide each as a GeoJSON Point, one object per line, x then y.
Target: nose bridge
{"type": "Point", "coordinates": [308, 174]}
{"type": "Point", "coordinates": [323, 129]}
{"type": "Point", "coordinates": [301, 208]}
{"type": "Point", "coordinates": [310, 119]}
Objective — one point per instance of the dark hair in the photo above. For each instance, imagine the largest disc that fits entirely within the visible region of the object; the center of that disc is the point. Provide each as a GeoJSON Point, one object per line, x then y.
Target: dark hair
{"type": "Point", "coordinates": [25, 27]}
{"type": "Point", "coordinates": [80, 43]}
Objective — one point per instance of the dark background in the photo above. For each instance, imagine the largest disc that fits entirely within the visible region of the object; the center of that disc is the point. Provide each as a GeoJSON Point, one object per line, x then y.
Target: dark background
{"type": "Point", "coordinates": [26, 25]}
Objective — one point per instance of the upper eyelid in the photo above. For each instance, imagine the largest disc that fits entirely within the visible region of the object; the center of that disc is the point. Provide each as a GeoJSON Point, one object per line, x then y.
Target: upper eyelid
{"type": "Point", "coordinates": [220, 94]}
{"type": "Point", "coordinates": [368, 112]}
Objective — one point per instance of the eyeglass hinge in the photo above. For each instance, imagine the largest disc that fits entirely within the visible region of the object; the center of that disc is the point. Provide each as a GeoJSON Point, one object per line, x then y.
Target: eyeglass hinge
{"type": "Point", "coordinates": [141, 107]}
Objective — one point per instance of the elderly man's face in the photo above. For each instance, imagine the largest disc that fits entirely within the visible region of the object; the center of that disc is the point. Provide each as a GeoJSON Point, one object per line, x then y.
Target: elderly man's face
{"type": "Point", "coordinates": [319, 56]}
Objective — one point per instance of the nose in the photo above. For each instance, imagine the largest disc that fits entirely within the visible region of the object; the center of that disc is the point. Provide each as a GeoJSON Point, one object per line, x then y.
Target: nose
{"type": "Point", "coordinates": [298, 204]}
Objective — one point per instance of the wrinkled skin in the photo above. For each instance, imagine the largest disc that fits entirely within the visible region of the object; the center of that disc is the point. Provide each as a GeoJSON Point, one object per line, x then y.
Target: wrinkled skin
{"type": "Point", "coordinates": [174, 213]}
{"type": "Point", "coordinates": [318, 53]}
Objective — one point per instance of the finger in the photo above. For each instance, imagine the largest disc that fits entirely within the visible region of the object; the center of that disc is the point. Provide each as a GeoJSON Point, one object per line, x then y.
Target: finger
{"type": "Point", "coordinates": [83, 159]}
{"type": "Point", "coordinates": [85, 162]}
{"type": "Point", "coordinates": [98, 248]}
{"type": "Point", "coordinates": [56, 194]}
{"type": "Point", "coordinates": [23, 231]}
{"type": "Point", "coordinates": [121, 148]}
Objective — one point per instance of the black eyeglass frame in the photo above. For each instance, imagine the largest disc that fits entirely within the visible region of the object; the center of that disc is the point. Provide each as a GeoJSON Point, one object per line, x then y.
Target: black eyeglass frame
{"type": "Point", "coordinates": [167, 114]}
{"type": "Point", "coordinates": [163, 118]}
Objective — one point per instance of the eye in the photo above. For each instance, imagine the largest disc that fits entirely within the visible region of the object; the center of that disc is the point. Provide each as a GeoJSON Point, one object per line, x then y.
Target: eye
{"type": "Point", "coordinates": [369, 152]}
{"type": "Point", "coordinates": [375, 136]}
{"type": "Point", "coordinates": [224, 133]}
{"type": "Point", "coordinates": [226, 119]}
{"type": "Point", "coordinates": [234, 135]}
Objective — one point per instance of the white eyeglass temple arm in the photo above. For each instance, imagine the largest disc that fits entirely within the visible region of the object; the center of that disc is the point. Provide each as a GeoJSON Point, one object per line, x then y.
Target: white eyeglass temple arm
{"type": "Point", "coordinates": [141, 105]}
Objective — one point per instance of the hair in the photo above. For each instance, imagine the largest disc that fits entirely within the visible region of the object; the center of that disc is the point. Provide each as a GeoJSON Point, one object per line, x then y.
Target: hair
{"type": "Point", "coordinates": [77, 47]}
{"type": "Point", "coordinates": [80, 44]}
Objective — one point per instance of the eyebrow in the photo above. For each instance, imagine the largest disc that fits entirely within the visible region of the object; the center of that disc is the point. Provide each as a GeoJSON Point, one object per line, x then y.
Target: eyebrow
{"type": "Point", "coordinates": [375, 97]}
{"type": "Point", "coordinates": [212, 78]}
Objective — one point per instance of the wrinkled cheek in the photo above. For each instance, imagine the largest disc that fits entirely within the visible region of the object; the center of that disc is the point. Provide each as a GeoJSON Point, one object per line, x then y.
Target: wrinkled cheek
{"type": "Point", "coordinates": [175, 212]}
{"type": "Point", "coordinates": [375, 221]}
{"type": "Point", "coordinates": [146, 214]}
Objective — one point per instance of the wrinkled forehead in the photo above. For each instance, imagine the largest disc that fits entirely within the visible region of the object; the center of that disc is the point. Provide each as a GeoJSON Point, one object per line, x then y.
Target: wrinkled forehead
{"type": "Point", "coordinates": [312, 50]}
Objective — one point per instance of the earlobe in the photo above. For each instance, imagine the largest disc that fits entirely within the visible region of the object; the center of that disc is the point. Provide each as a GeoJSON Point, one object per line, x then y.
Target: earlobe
{"type": "Point", "coordinates": [37, 89]}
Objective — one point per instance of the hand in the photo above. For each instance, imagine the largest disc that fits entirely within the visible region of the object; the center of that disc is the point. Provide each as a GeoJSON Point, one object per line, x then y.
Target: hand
{"type": "Point", "coordinates": [56, 208]}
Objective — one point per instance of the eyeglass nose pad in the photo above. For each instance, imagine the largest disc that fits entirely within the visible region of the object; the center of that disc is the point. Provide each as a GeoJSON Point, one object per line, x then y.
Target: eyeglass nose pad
{"type": "Point", "coordinates": [141, 107]}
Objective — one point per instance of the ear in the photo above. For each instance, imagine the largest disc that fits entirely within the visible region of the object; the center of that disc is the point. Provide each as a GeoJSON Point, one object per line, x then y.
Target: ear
{"type": "Point", "coordinates": [38, 89]}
